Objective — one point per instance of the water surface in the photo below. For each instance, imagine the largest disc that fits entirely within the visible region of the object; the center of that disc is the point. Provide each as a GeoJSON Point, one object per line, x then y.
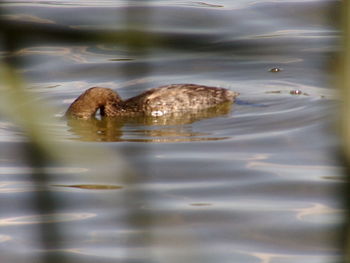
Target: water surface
{"type": "Point", "coordinates": [258, 182]}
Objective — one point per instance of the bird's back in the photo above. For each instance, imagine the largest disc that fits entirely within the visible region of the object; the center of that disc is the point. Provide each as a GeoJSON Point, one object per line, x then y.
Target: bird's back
{"type": "Point", "coordinates": [177, 98]}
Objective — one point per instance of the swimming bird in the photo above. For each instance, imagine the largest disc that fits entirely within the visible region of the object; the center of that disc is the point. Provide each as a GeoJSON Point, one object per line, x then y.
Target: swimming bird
{"type": "Point", "coordinates": [154, 102]}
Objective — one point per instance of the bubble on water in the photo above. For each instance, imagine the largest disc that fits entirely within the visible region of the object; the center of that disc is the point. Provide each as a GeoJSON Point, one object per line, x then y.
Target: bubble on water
{"type": "Point", "coordinates": [296, 92]}
{"type": "Point", "coordinates": [274, 70]}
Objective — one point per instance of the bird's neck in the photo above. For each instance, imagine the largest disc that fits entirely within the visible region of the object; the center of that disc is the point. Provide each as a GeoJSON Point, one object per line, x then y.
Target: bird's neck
{"type": "Point", "coordinates": [87, 104]}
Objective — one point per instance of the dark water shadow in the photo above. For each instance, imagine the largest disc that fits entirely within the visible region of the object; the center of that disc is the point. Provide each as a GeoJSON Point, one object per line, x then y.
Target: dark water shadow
{"type": "Point", "coordinates": [141, 128]}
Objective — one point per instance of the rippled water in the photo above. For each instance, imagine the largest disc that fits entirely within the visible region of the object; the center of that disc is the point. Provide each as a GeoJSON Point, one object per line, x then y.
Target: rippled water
{"type": "Point", "coordinates": [258, 182]}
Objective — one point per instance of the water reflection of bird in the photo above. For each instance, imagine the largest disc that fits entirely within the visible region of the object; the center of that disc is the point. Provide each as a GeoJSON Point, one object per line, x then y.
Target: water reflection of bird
{"type": "Point", "coordinates": [162, 101]}
{"type": "Point", "coordinates": [166, 128]}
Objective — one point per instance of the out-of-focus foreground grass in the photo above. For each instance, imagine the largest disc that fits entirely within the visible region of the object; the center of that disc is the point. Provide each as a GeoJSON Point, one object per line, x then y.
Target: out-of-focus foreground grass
{"type": "Point", "coordinates": [344, 86]}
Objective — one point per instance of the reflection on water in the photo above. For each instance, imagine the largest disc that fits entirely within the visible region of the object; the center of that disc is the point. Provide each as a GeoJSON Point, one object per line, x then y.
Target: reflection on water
{"type": "Point", "coordinates": [27, 18]}
{"type": "Point", "coordinates": [4, 238]}
{"type": "Point", "coordinates": [166, 128]}
{"type": "Point", "coordinates": [314, 214]}
{"type": "Point", "coordinates": [93, 186]}
{"type": "Point", "coordinates": [48, 170]}
{"type": "Point", "coordinates": [41, 219]}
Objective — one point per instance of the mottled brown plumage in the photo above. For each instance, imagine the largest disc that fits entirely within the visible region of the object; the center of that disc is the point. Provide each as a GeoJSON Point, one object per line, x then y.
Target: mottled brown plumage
{"type": "Point", "coordinates": [154, 102]}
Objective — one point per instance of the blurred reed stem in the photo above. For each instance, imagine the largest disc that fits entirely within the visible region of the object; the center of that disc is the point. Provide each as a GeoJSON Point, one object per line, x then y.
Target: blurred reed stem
{"type": "Point", "coordinates": [18, 106]}
{"type": "Point", "coordinates": [344, 84]}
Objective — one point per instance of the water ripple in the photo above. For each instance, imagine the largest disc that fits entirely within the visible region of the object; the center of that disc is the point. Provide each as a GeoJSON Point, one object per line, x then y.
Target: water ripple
{"type": "Point", "coordinates": [42, 219]}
